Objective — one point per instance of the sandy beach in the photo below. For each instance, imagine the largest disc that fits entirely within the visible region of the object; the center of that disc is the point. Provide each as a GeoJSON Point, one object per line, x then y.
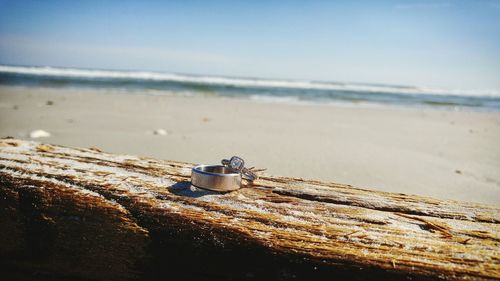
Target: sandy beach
{"type": "Point", "coordinates": [439, 153]}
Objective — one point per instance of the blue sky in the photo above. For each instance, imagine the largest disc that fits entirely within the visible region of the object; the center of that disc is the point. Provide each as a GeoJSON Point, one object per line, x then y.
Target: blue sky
{"type": "Point", "coordinates": [446, 44]}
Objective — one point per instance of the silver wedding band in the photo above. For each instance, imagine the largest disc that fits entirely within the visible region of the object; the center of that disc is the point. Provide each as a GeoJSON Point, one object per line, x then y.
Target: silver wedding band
{"type": "Point", "coordinates": [216, 178]}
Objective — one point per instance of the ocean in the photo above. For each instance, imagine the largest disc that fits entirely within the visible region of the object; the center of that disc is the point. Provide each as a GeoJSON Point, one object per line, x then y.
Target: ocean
{"type": "Point", "coordinates": [286, 91]}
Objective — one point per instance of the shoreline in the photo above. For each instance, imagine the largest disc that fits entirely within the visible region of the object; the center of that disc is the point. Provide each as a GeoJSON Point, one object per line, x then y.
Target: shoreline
{"type": "Point", "coordinates": [266, 99]}
{"type": "Point", "coordinates": [440, 153]}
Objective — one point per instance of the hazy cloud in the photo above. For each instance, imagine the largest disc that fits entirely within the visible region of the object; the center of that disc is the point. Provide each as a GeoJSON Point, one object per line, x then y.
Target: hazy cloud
{"type": "Point", "coordinates": [423, 5]}
{"type": "Point", "coordinates": [150, 57]}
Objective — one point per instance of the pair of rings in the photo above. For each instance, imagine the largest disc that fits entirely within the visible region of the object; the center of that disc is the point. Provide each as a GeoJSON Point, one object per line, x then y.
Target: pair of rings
{"type": "Point", "coordinates": [222, 178]}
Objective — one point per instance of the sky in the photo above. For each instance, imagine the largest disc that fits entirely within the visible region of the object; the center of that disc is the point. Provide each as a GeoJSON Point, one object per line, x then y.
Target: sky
{"type": "Point", "coordinates": [444, 44]}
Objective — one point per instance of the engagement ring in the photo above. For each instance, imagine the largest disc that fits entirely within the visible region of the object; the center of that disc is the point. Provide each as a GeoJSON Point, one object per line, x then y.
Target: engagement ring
{"type": "Point", "coordinates": [238, 165]}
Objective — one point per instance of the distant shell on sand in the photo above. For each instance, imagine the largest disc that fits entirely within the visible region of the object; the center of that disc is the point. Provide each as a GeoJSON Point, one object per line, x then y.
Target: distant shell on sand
{"type": "Point", "coordinates": [160, 132]}
{"type": "Point", "coordinates": [39, 134]}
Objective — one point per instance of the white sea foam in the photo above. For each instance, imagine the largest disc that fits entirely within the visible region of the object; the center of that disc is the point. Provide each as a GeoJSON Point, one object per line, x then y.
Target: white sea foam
{"type": "Point", "coordinates": [276, 99]}
{"type": "Point", "coordinates": [238, 82]}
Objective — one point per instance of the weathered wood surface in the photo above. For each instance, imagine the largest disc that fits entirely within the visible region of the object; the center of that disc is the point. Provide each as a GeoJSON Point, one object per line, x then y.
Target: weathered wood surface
{"type": "Point", "coordinates": [78, 214]}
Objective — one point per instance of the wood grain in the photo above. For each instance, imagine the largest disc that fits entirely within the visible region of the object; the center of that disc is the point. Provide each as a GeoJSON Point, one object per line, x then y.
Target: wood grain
{"type": "Point", "coordinates": [75, 214]}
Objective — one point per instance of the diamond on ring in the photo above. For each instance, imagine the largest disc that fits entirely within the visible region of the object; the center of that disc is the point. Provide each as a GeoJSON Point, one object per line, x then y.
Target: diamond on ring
{"type": "Point", "coordinates": [237, 164]}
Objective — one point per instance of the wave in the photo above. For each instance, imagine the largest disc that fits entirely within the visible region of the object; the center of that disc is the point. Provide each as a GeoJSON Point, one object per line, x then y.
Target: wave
{"type": "Point", "coordinates": [238, 82]}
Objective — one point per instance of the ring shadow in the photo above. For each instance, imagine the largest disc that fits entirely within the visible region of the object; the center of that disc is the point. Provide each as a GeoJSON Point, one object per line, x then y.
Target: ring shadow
{"type": "Point", "coordinates": [185, 188]}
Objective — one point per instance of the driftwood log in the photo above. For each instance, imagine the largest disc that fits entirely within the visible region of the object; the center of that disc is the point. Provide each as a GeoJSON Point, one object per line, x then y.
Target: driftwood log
{"type": "Point", "coordinates": [82, 214]}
